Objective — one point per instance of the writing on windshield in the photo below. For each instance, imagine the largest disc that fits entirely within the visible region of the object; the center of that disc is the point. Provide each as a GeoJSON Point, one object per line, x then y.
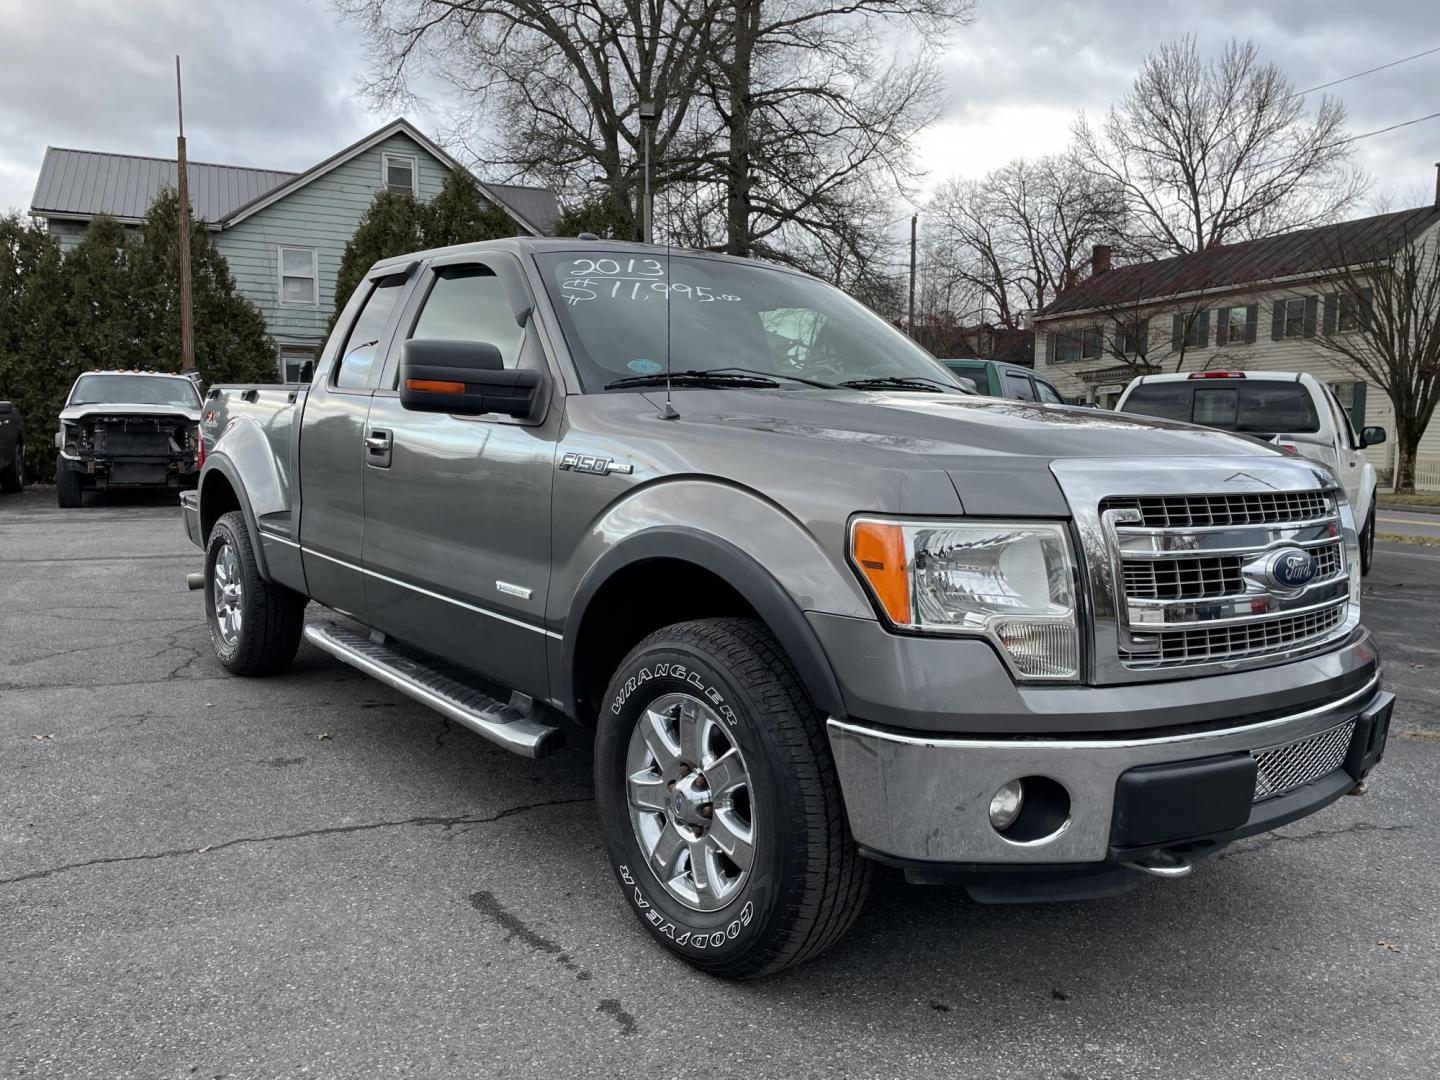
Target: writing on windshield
{"type": "Point", "coordinates": [633, 281]}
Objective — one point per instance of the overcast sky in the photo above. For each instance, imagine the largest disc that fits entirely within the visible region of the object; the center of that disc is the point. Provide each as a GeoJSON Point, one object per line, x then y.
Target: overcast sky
{"type": "Point", "coordinates": [273, 82]}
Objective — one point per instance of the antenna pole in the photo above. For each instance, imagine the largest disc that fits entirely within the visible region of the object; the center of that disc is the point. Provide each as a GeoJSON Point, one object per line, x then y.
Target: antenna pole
{"type": "Point", "coordinates": [182, 191]}
{"type": "Point", "coordinates": [910, 325]}
{"type": "Point", "coordinates": [669, 412]}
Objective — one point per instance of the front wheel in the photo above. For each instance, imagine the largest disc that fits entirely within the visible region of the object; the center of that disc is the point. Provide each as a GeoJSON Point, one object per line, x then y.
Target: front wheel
{"type": "Point", "coordinates": [1367, 541]}
{"type": "Point", "coordinates": [719, 801]}
{"type": "Point", "coordinates": [255, 625]}
{"type": "Point", "coordinates": [69, 493]}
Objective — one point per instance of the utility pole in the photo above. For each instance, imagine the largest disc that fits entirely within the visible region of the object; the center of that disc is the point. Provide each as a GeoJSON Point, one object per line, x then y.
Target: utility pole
{"type": "Point", "coordinates": [187, 313]}
{"type": "Point", "coordinates": [910, 326]}
{"type": "Point", "coordinates": [648, 117]}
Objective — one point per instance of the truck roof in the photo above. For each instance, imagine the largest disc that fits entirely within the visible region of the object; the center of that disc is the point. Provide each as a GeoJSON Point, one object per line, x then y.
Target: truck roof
{"type": "Point", "coordinates": [531, 245]}
{"type": "Point", "coordinates": [1236, 373]}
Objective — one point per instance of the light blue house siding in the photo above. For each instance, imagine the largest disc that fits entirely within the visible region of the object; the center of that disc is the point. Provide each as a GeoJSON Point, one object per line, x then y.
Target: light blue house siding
{"type": "Point", "coordinates": [320, 216]}
{"type": "Point", "coordinates": [272, 227]}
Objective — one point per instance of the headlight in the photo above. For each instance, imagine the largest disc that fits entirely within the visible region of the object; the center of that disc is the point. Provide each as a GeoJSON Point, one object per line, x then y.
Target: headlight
{"type": "Point", "coordinates": [1013, 582]}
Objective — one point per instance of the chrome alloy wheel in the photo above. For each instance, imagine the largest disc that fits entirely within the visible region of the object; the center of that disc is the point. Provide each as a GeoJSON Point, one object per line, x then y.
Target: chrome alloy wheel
{"type": "Point", "coordinates": [689, 796]}
{"type": "Point", "coordinates": [228, 593]}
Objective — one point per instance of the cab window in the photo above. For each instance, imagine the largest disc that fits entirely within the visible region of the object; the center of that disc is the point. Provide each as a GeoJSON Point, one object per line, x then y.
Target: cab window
{"type": "Point", "coordinates": [356, 366]}
{"type": "Point", "coordinates": [469, 303]}
{"type": "Point", "coordinates": [1047, 393]}
{"type": "Point", "coordinates": [1019, 387]}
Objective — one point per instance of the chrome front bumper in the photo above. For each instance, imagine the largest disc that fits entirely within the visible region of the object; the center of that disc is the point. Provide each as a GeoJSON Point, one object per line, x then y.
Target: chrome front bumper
{"type": "Point", "coordinates": [926, 799]}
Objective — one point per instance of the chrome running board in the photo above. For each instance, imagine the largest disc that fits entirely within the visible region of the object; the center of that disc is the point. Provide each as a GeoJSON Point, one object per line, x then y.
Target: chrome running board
{"type": "Point", "coordinates": [502, 724]}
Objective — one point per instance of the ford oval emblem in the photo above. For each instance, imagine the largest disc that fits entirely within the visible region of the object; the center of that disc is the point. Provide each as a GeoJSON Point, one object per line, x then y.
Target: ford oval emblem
{"type": "Point", "coordinates": [1291, 568]}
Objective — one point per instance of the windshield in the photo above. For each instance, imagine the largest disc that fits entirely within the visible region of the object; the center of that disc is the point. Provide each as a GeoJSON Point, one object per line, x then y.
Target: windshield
{"type": "Point", "coordinates": [1258, 408]}
{"type": "Point", "coordinates": [722, 314]}
{"type": "Point", "coordinates": [135, 390]}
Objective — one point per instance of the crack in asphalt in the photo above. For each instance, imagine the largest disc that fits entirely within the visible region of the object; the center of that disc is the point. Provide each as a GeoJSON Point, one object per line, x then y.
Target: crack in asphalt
{"type": "Point", "coordinates": [422, 821]}
{"type": "Point", "coordinates": [1319, 834]}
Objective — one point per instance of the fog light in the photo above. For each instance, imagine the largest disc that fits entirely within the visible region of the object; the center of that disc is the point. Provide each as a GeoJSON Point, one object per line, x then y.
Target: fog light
{"type": "Point", "coordinates": [1005, 805]}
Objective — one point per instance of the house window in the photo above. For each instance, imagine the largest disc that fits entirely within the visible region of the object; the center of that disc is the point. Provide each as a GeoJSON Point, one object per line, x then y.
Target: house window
{"type": "Point", "coordinates": [1197, 330]}
{"type": "Point", "coordinates": [1075, 344]}
{"type": "Point", "coordinates": [299, 276]}
{"type": "Point", "coordinates": [1293, 315]}
{"type": "Point", "coordinates": [1133, 337]}
{"type": "Point", "coordinates": [400, 171]}
{"type": "Point", "coordinates": [297, 363]}
{"type": "Point", "coordinates": [1236, 326]}
{"type": "Point", "coordinates": [1091, 342]}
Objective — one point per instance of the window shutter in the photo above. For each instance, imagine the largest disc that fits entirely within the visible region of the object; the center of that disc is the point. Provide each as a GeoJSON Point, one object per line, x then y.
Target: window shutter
{"type": "Point", "coordinates": [1357, 406]}
{"type": "Point", "coordinates": [1177, 332]}
{"type": "Point", "coordinates": [1222, 326]}
{"type": "Point", "coordinates": [1312, 310]}
{"type": "Point", "coordinates": [1252, 316]}
{"type": "Point", "coordinates": [1049, 348]}
{"type": "Point", "coordinates": [1143, 337]}
{"type": "Point", "coordinates": [1203, 326]}
{"type": "Point", "coordinates": [1277, 321]}
{"type": "Point", "coordinates": [1367, 305]}
{"type": "Point", "coordinates": [1332, 304]}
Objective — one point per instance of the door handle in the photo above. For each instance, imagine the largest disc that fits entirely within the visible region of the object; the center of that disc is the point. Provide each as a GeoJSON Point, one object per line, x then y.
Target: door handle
{"type": "Point", "coordinates": [377, 442]}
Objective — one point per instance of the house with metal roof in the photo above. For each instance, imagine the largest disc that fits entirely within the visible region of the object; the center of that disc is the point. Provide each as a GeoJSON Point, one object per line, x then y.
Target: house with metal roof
{"type": "Point", "coordinates": [282, 233]}
{"type": "Point", "coordinates": [1253, 305]}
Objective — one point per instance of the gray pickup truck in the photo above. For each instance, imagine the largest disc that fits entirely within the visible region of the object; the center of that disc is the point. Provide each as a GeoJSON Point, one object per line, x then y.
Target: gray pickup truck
{"type": "Point", "coordinates": [816, 606]}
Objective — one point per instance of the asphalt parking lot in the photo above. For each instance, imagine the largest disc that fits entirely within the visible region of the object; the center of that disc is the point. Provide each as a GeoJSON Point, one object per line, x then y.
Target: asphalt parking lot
{"type": "Point", "coordinates": [203, 876]}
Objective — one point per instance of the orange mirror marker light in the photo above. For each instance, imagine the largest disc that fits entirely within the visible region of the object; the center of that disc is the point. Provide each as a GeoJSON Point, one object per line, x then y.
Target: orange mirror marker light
{"type": "Point", "coordinates": [878, 549]}
{"type": "Point", "coordinates": [434, 386]}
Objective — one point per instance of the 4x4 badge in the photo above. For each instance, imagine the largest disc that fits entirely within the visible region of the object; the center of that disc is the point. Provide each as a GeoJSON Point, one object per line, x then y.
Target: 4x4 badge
{"type": "Point", "coordinates": [598, 466]}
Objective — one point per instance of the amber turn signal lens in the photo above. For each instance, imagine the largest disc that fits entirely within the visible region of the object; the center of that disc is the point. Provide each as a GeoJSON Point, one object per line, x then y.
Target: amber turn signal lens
{"type": "Point", "coordinates": [878, 549]}
{"type": "Point", "coordinates": [434, 386]}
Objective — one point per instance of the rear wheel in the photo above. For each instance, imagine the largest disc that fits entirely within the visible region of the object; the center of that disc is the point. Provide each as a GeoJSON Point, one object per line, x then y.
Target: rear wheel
{"type": "Point", "coordinates": [69, 492]}
{"type": "Point", "coordinates": [720, 804]}
{"type": "Point", "coordinates": [1367, 540]}
{"type": "Point", "coordinates": [12, 477]}
{"type": "Point", "coordinates": [255, 625]}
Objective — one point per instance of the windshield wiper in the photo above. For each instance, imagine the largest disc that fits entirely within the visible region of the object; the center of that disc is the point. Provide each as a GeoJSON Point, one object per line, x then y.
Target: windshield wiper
{"type": "Point", "coordinates": [777, 375]}
{"type": "Point", "coordinates": [900, 382]}
{"type": "Point", "coordinates": [693, 377]}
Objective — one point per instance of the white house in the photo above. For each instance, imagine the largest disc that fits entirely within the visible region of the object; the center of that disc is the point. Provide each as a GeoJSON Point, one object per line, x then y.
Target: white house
{"type": "Point", "coordinates": [1258, 304]}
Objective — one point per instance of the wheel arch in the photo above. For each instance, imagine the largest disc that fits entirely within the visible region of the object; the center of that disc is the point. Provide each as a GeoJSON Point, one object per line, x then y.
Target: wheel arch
{"type": "Point", "coordinates": [726, 581]}
{"type": "Point", "coordinates": [221, 492]}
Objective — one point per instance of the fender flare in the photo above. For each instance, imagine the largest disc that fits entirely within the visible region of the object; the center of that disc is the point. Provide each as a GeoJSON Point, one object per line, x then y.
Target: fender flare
{"type": "Point", "coordinates": [775, 606]}
{"type": "Point", "coordinates": [219, 463]}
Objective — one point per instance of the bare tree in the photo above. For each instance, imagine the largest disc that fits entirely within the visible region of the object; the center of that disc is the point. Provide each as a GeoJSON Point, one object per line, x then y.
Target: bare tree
{"type": "Point", "coordinates": [1382, 322]}
{"type": "Point", "coordinates": [780, 134]}
{"type": "Point", "coordinates": [1208, 152]}
{"type": "Point", "coordinates": [1022, 235]}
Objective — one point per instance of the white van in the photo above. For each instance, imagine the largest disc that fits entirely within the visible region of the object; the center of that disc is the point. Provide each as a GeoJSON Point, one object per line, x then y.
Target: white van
{"type": "Point", "coordinates": [1293, 410]}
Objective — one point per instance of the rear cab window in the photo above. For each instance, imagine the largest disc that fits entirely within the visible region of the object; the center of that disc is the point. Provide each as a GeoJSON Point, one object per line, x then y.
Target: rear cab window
{"type": "Point", "coordinates": [1253, 407]}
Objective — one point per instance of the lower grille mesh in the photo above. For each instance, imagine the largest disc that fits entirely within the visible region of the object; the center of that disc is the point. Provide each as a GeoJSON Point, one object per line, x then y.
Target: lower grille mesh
{"type": "Point", "coordinates": [1284, 768]}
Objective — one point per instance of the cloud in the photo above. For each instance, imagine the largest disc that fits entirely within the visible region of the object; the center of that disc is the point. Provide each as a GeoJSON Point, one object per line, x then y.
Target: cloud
{"type": "Point", "coordinates": [1018, 77]}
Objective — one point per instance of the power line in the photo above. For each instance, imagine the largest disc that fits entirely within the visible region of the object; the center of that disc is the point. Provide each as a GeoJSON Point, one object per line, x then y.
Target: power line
{"type": "Point", "coordinates": [1382, 131]}
{"type": "Point", "coordinates": [1368, 71]}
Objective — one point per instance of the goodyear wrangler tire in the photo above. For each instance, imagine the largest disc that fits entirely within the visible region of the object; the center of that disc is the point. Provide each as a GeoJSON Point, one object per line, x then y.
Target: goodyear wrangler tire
{"type": "Point", "coordinates": [719, 801]}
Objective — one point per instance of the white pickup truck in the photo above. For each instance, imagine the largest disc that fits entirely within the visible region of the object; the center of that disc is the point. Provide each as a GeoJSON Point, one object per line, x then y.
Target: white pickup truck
{"type": "Point", "coordinates": [1293, 410]}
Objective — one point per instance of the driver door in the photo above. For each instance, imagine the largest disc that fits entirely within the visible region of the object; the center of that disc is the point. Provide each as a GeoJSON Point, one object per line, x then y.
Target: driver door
{"type": "Point", "coordinates": [457, 508]}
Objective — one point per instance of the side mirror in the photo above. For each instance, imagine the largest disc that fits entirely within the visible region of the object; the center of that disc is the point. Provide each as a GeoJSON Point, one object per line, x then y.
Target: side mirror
{"type": "Point", "coordinates": [1372, 436]}
{"type": "Point", "coordinates": [464, 378]}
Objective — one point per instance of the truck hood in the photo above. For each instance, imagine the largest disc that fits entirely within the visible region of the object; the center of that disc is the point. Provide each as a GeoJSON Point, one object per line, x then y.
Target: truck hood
{"type": "Point", "coordinates": [118, 408]}
{"type": "Point", "coordinates": [996, 452]}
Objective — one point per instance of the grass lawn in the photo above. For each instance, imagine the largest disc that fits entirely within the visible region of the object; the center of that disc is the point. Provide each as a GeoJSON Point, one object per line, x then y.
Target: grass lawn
{"type": "Point", "coordinates": [1418, 498]}
{"type": "Point", "coordinates": [1396, 538]}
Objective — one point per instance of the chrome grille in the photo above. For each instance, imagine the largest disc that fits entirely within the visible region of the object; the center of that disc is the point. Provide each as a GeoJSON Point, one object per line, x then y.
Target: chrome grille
{"type": "Point", "coordinates": [1207, 511]}
{"type": "Point", "coordinates": [1183, 579]}
{"type": "Point", "coordinates": [1177, 647]}
{"type": "Point", "coordinates": [1284, 768]}
{"type": "Point", "coordinates": [1199, 578]}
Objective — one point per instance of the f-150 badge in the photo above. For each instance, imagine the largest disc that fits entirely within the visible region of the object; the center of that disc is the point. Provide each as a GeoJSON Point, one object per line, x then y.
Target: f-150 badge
{"type": "Point", "coordinates": [597, 466]}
